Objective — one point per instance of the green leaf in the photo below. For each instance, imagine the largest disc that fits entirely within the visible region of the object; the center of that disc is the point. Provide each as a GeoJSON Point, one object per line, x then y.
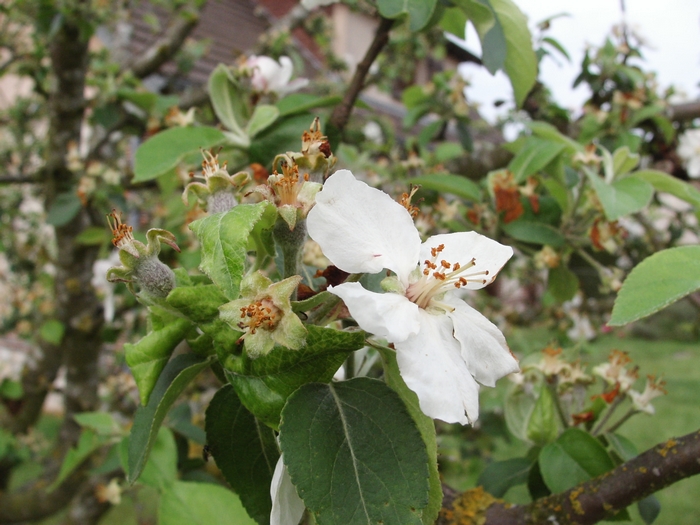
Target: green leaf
{"type": "Point", "coordinates": [518, 408]}
{"type": "Point", "coordinates": [354, 453]}
{"type": "Point", "coordinates": [93, 236]}
{"type": "Point", "coordinates": [572, 459]}
{"type": "Point", "coordinates": [200, 303]}
{"type": "Point", "coordinates": [52, 331]}
{"type": "Point", "coordinates": [303, 102]}
{"type": "Point", "coordinates": [649, 509]}
{"type": "Point", "coordinates": [498, 477]}
{"type": "Point", "coordinates": [224, 239]}
{"type": "Point", "coordinates": [263, 117]}
{"type": "Point", "coordinates": [64, 208]}
{"type": "Point", "coordinates": [454, 20]}
{"type": "Point", "coordinates": [670, 184]}
{"type": "Point", "coordinates": [161, 468]}
{"type": "Point", "coordinates": [543, 425]}
{"type": "Point", "coordinates": [88, 443]}
{"type": "Point", "coordinates": [245, 451]}
{"type": "Point", "coordinates": [172, 381]}
{"type": "Point", "coordinates": [447, 151]}
{"type": "Point", "coordinates": [193, 503]}
{"type": "Point", "coordinates": [10, 389]}
{"type": "Point", "coordinates": [509, 29]}
{"type": "Point", "coordinates": [445, 183]}
{"type": "Point", "coordinates": [656, 282]}
{"type": "Point", "coordinates": [102, 423]}
{"type": "Point", "coordinates": [264, 384]}
{"type": "Point", "coordinates": [562, 283]}
{"type": "Point", "coordinates": [624, 161]}
{"type": "Point", "coordinates": [148, 357]}
{"type": "Point", "coordinates": [227, 98]}
{"type": "Point", "coordinates": [535, 155]}
{"type": "Point", "coordinates": [419, 11]}
{"type": "Point", "coordinates": [162, 152]}
{"type": "Point", "coordinates": [545, 130]}
{"type": "Point", "coordinates": [623, 196]}
{"type": "Point", "coordinates": [425, 425]}
{"type": "Point", "coordinates": [283, 135]}
{"type": "Point", "coordinates": [534, 232]}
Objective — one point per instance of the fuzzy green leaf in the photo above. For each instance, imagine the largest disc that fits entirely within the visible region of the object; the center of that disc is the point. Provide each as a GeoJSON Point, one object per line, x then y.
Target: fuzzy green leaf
{"type": "Point", "coordinates": [264, 384]}
{"type": "Point", "coordinates": [172, 381]}
{"type": "Point", "coordinates": [263, 117]}
{"type": "Point", "coordinates": [148, 357]}
{"type": "Point", "coordinates": [224, 239]}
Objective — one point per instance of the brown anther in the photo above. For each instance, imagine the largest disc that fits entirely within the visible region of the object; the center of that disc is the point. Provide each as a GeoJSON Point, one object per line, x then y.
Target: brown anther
{"type": "Point", "coordinates": [439, 276]}
{"type": "Point", "coordinates": [462, 281]}
{"type": "Point", "coordinates": [445, 264]}
{"type": "Point", "coordinates": [325, 148]}
{"type": "Point", "coordinates": [426, 272]}
{"type": "Point", "coordinates": [120, 231]}
{"type": "Point", "coordinates": [455, 267]}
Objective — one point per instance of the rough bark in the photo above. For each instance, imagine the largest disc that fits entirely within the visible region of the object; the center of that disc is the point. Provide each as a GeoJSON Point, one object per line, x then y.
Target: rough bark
{"type": "Point", "coordinates": [591, 501]}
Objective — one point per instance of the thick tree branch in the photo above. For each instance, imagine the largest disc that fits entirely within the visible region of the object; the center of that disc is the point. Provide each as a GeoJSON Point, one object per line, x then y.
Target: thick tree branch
{"type": "Point", "coordinates": [592, 501]}
{"type": "Point", "coordinates": [166, 46]}
{"type": "Point", "coordinates": [683, 112]}
{"type": "Point", "coordinates": [341, 114]}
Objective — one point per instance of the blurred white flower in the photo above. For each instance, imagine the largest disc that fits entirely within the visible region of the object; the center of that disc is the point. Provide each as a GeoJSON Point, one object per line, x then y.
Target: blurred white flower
{"type": "Point", "coordinates": [689, 151]}
{"type": "Point", "coordinates": [287, 506]}
{"type": "Point", "coordinates": [642, 401]}
{"type": "Point", "coordinates": [271, 76]}
{"type": "Point", "coordinates": [102, 286]}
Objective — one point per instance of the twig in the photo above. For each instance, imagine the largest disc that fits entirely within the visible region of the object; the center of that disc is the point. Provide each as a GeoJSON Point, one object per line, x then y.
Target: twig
{"type": "Point", "coordinates": [341, 114]}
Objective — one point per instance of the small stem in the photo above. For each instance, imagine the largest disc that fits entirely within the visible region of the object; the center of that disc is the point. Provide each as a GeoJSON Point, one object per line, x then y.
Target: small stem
{"type": "Point", "coordinates": [631, 412]}
{"type": "Point", "coordinates": [616, 403]}
{"type": "Point", "coordinates": [557, 403]}
{"type": "Point", "coordinates": [290, 243]}
{"type": "Point", "coordinates": [321, 316]}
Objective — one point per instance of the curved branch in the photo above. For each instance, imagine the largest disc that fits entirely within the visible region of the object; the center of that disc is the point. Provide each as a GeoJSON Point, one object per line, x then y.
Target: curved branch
{"type": "Point", "coordinates": [166, 46]}
{"type": "Point", "coordinates": [593, 500]}
{"type": "Point", "coordinates": [341, 114]}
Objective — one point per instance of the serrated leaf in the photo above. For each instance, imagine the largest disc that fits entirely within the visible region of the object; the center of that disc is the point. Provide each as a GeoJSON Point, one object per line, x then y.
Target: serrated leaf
{"type": "Point", "coordinates": [670, 184]}
{"type": "Point", "coordinates": [147, 420]}
{"type": "Point", "coordinates": [263, 117]}
{"type": "Point", "coordinates": [64, 208]}
{"type": "Point", "coordinates": [194, 503]}
{"type": "Point", "coordinates": [245, 451]}
{"type": "Point", "coordinates": [419, 11]}
{"type": "Point", "coordinates": [498, 477]}
{"type": "Point", "coordinates": [148, 357]}
{"type": "Point", "coordinates": [162, 152]}
{"type": "Point", "coordinates": [535, 155]}
{"type": "Point", "coordinates": [200, 304]}
{"type": "Point", "coordinates": [224, 239]}
{"type": "Point", "coordinates": [534, 232]}
{"type": "Point", "coordinates": [622, 197]}
{"type": "Point", "coordinates": [573, 458]}
{"type": "Point", "coordinates": [354, 454]}
{"type": "Point", "coordinates": [425, 425]}
{"type": "Point", "coordinates": [264, 384]}
{"type": "Point", "coordinates": [656, 282]}
{"type": "Point", "coordinates": [446, 183]}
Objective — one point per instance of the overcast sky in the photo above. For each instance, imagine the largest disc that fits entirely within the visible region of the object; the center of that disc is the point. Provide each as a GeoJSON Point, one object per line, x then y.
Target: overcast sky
{"type": "Point", "coordinates": [671, 28]}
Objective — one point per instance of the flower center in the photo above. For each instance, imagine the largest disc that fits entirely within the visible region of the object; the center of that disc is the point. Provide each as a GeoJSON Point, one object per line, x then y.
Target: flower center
{"type": "Point", "coordinates": [260, 314]}
{"type": "Point", "coordinates": [286, 186]}
{"type": "Point", "coordinates": [439, 276]}
{"type": "Point", "coordinates": [121, 233]}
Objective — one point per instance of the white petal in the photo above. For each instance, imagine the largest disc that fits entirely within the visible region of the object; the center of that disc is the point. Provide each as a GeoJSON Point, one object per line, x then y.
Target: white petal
{"type": "Point", "coordinates": [483, 346]}
{"type": "Point", "coordinates": [462, 247]}
{"type": "Point", "coordinates": [387, 315]}
{"type": "Point", "coordinates": [284, 74]}
{"type": "Point", "coordinates": [362, 229]}
{"type": "Point", "coordinates": [287, 506]}
{"type": "Point", "coordinates": [431, 366]}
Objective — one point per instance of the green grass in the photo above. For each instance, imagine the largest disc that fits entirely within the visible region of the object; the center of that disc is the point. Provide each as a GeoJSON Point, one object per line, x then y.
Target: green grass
{"type": "Point", "coordinates": [677, 413]}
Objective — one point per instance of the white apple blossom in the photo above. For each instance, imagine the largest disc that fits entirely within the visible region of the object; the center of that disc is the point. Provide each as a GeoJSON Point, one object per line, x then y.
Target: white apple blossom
{"type": "Point", "coordinates": [443, 346]}
{"type": "Point", "coordinates": [689, 151]}
{"type": "Point", "coordinates": [271, 76]}
{"type": "Point", "coordinates": [287, 506]}
{"type": "Point", "coordinates": [642, 400]}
